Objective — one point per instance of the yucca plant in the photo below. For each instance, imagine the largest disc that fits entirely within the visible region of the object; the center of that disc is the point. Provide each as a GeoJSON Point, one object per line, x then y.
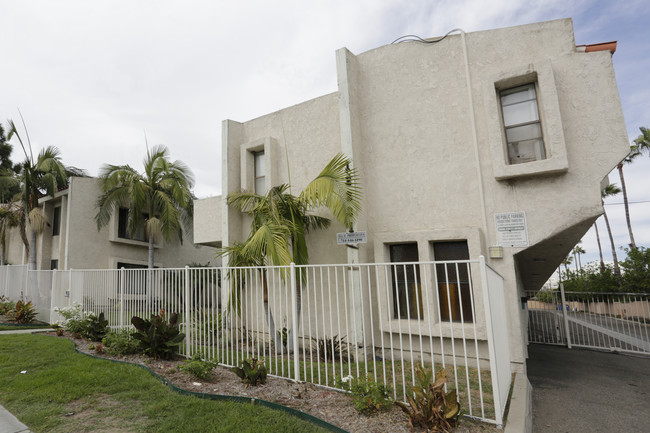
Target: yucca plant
{"type": "Point", "coordinates": [158, 338]}
{"type": "Point", "coordinates": [429, 406]}
{"type": "Point", "coordinates": [332, 349]}
{"type": "Point", "coordinates": [252, 371]}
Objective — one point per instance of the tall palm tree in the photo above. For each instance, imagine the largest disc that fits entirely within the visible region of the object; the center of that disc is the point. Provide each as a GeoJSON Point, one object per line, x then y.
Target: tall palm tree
{"type": "Point", "coordinates": [611, 190]}
{"type": "Point", "coordinates": [577, 251]}
{"type": "Point", "coordinates": [10, 216]}
{"type": "Point", "coordinates": [642, 142]}
{"type": "Point", "coordinates": [38, 177]}
{"type": "Point", "coordinates": [158, 199]}
{"type": "Point", "coordinates": [600, 248]}
{"type": "Point", "coordinates": [280, 221]}
{"type": "Point", "coordinates": [634, 152]}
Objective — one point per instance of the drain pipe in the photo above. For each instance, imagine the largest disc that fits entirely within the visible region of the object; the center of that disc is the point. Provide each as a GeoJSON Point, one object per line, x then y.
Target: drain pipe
{"type": "Point", "coordinates": [470, 99]}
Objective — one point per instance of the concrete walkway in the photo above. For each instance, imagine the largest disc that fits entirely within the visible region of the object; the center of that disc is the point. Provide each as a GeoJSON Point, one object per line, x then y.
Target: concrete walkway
{"type": "Point", "coordinates": [588, 391]}
{"type": "Point", "coordinates": [8, 422]}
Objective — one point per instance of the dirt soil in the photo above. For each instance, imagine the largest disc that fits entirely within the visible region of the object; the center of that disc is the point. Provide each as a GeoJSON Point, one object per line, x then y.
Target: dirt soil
{"type": "Point", "coordinates": [331, 406]}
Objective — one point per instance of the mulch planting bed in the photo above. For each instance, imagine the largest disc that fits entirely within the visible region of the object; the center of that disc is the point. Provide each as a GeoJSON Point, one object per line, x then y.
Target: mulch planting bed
{"type": "Point", "coordinates": [331, 406]}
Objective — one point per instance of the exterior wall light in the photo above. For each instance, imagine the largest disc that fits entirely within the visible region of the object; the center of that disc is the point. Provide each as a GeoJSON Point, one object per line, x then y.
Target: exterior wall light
{"type": "Point", "coordinates": [496, 252]}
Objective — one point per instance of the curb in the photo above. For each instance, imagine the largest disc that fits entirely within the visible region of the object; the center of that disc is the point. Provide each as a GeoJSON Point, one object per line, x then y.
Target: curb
{"type": "Point", "coordinates": [520, 414]}
{"type": "Point", "coordinates": [220, 397]}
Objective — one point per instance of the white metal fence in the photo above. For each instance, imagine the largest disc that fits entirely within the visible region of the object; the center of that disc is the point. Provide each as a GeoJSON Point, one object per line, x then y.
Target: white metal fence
{"type": "Point", "coordinates": [611, 321]}
{"type": "Point", "coordinates": [320, 323]}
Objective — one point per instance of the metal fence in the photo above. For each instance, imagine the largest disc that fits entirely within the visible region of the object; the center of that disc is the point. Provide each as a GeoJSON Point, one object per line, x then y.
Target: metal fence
{"type": "Point", "coordinates": [610, 321]}
{"type": "Point", "coordinates": [322, 323]}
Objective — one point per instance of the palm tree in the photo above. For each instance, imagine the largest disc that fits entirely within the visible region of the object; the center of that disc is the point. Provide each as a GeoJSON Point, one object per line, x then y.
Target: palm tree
{"type": "Point", "coordinates": [611, 190]}
{"type": "Point", "coordinates": [10, 216]}
{"type": "Point", "coordinates": [566, 262]}
{"type": "Point", "coordinates": [600, 248]}
{"type": "Point", "coordinates": [280, 221]}
{"type": "Point", "coordinates": [577, 251]}
{"type": "Point", "coordinates": [642, 142]}
{"type": "Point", "coordinates": [38, 177]}
{"type": "Point", "coordinates": [634, 152]}
{"type": "Point", "coordinates": [159, 199]}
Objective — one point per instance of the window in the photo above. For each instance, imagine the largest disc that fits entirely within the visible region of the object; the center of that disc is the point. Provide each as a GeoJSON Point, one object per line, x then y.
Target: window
{"type": "Point", "coordinates": [260, 173]}
{"type": "Point", "coordinates": [54, 264]}
{"type": "Point", "coordinates": [407, 287]}
{"type": "Point", "coordinates": [56, 222]}
{"type": "Point", "coordinates": [135, 281]}
{"type": "Point", "coordinates": [453, 281]}
{"type": "Point", "coordinates": [123, 224]}
{"type": "Point", "coordinates": [522, 125]}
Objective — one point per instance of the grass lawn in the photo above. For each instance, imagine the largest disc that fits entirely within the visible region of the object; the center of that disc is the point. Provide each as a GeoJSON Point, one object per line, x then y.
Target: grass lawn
{"type": "Point", "coordinates": [4, 327]}
{"type": "Point", "coordinates": [65, 391]}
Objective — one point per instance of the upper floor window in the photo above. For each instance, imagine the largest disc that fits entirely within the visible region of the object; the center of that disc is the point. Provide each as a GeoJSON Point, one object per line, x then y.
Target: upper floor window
{"type": "Point", "coordinates": [260, 173]}
{"type": "Point", "coordinates": [522, 124]}
{"type": "Point", "coordinates": [123, 227]}
{"type": "Point", "coordinates": [56, 221]}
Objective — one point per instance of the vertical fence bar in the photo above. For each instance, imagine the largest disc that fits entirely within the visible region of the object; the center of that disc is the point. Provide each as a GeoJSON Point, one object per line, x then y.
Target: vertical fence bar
{"type": "Point", "coordinates": [186, 303]}
{"type": "Point", "coordinates": [567, 334]}
{"type": "Point", "coordinates": [121, 277]}
{"type": "Point", "coordinates": [294, 313]}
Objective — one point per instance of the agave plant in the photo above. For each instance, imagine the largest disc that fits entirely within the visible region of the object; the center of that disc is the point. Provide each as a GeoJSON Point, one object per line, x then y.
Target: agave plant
{"type": "Point", "coordinates": [430, 406]}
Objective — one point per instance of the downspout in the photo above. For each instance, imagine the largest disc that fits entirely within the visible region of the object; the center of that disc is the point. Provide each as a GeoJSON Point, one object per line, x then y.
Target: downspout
{"type": "Point", "coordinates": [479, 172]}
{"type": "Point", "coordinates": [67, 224]}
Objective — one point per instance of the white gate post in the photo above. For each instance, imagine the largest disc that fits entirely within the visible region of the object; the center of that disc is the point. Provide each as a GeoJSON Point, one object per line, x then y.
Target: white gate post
{"type": "Point", "coordinates": [498, 410]}
{"type": "Point", "coordinates": [566, 320]}
{"type": "Point", "coordinates": [52, 284]}
{"type": "Point", "coordinates": [294, 312]}
{"type": "Point", "coordinates": [187, 312]}
{"type": "Point", "coordinates": [121, 276]}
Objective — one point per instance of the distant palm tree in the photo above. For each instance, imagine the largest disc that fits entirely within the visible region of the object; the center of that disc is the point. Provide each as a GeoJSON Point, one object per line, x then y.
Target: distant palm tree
{"type": "Point", "coordinates": [600, 248]}
{"type": "Point", "coordinates": [634, 152]}
{"type": "Point", "coordinates": [611, 190]}
{"type": "Point", "coordinates": [38, 177]}
{"type": "Point", "coordinates": [160, 198]}
{"type": "Point", "coordinates": [10, 216]}
{"type": "Point", "coordinates": [566, 262]}
{"type": "Point", "coordinates": [577, 251]}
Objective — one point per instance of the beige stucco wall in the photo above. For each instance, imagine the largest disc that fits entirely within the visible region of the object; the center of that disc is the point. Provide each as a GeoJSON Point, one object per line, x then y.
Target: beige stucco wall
{"type": "Point", "coordinates": [89, 248]}
{"type": "Point", "coordinates": [431, 154]}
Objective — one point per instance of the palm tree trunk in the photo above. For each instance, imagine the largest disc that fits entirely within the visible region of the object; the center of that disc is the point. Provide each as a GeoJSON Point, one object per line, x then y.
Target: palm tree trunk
{"type": "Point", "coordinates": [617, 270]}
{"type": "Point", "coordinates": [575, 259]}
{"type": "Point", "coordinates": [600, 249]}
{"type": "Point", "coordinates": [32, 250]}
{"type": "Point", "coordinates": [627, 207]}
{"type": "Point", "coordinates": [277, 341]}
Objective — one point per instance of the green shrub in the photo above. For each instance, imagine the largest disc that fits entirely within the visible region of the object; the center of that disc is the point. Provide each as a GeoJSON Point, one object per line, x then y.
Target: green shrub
{"type": "Point", "coordinates": [331, 349]}
{"type": "Point", "coordinates": [428, 404]}
{"type": "Point", "coordinates": [72, 319]}
{"type": "Point", "coordinates": [23, 312]}
{"type": "Point", "coordinates": [158, 337]}
{"type": "Point", "coordinates": [120, 342]}
{"type": "Point", "coordinates": [252, 371]}
{"type": "Point", "coordinates": [6, 306]}
{"type": "Point", "coordinates": [198, 368]}
{"type": "Point", "coordinates": [94, 327]}
{"type": "Point", "coordinates": [368, 396]}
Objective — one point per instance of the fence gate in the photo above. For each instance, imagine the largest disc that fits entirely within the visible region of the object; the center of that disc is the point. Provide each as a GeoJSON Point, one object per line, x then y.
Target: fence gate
{"type": "Point", "coordinates": [607, 321]}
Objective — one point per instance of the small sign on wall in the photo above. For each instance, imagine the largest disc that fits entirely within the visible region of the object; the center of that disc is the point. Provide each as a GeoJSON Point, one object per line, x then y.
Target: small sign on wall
{"type": "Point", "coordinates": [351, 238]}
{"type": "Point", "coordinates": [512, 230]}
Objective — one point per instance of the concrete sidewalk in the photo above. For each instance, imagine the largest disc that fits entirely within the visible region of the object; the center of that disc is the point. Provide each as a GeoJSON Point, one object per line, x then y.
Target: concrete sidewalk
{"type": "Point", "coordinates": [588, 391]}
{"type": "Point", "coordinates": [10, 424]}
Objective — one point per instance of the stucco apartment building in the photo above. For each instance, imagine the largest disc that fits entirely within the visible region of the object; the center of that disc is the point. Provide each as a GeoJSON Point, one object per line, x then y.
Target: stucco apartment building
{"type": "Point", "coordinates": [71, 239]}
{"type": "Point", "coordinates": [499, 138]}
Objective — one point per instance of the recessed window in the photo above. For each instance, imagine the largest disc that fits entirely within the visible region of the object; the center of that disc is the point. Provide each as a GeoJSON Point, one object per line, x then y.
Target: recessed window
{"type": "Point", "coordinates": [123, 227]}
{"type": "Point", "coordinates": [260, 173]}
{"type": "Point", "coordinates": [453, 281]}
{"type": "Point", "coordinates": [56, 221]}
{"type": "Point", "coordinates": [54, 264]}
{"type": "Point", "coordinates": [522, 125]}
{"type": "Point", "coordinates": [407, 286]}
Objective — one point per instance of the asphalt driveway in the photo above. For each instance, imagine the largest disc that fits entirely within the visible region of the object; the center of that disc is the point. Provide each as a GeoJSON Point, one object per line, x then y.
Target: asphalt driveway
{"type": "Point", "coordinates": [587, 391]}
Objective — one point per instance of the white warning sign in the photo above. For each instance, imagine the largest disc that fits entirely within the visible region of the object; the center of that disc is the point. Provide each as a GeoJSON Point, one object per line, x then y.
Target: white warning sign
{"type": "Point", "coordinates": [512, 230]}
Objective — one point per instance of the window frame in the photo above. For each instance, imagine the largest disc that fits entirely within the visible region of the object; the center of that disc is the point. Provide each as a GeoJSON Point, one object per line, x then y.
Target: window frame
{"type": "Point", "coordinates": [508, 127]}
{"type": "Point", "coordinates": [56, 221]}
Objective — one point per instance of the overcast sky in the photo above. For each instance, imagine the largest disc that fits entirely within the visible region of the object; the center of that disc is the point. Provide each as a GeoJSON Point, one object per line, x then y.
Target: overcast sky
{"type": "Point", "coordinates": [91, 77]}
